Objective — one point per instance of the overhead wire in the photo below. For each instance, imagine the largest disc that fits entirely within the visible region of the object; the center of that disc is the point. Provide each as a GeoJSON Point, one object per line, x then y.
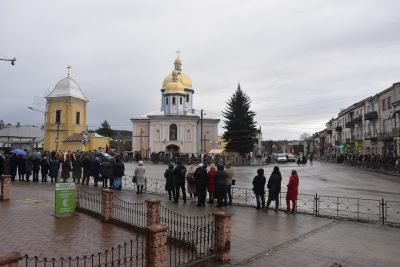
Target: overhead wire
{"type": "Point", "coordinates": [314, 14]}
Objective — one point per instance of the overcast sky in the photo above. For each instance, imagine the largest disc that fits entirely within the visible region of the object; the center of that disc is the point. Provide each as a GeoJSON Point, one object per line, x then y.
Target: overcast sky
{"type": "Point", "coordinates": [300, 62]}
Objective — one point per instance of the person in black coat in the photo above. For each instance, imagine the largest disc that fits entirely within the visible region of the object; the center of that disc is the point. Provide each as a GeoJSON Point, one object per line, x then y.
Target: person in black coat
{"type": "Point", "coordinates": [77, 170]}
{"type": "Point", "coordinates": [259, 188]}
{"type": "Point", "coordinates": [201, 184]}
{"type": "Point", "coordinates": [6, 165]}
{"type": "Point", "coordinates": [28, 169]}
{"type": "Point", "coordinates": [170, 180]}
{"type": "Point", "coordinates": [274, 186]}
{"type": "Point", "coordinates": [219, 185]}
{"type": "Point", "coordinates": [103, 172]}
{"type": "Point", "coordinates": [65, 170]}
{"type": "Point", "coordinates": [86, 170]}
{"type": "Point", "coordinates": [36, 169]}
{"type": "Point", "coordinates": [180, 175]}
{"type": "Point", "coordinates": [95, 170]}
{"type": "Point", "coordinates": [44, 169]}
{"type": "Point", "coordinates": [13, 166]}
{"type": "Point", "coordinates": [54, 168]}
{"type": "Point", "coordinates": [21, 168]}
{"type": "Point", "coordinates": [119, 171]}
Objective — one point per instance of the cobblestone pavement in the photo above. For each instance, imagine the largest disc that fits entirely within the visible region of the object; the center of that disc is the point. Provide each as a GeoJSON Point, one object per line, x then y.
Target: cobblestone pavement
{"type": "Point", "coordinates": [258, 238]}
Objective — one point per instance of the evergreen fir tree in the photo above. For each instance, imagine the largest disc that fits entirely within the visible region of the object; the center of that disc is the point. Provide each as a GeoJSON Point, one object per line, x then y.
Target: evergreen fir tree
{"type": "Point", "coordinates": [239, 124]}
{"type": "Point", "coordinates": [105, 130]}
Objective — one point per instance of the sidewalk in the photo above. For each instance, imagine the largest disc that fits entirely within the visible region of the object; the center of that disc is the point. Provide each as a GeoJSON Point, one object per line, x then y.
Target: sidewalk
{"type": "Point", "coordinates": [258, 238]}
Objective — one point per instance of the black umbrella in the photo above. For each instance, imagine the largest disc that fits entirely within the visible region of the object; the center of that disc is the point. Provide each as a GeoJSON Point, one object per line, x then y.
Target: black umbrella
{"type": "Point", "coordinates": [34, 156]}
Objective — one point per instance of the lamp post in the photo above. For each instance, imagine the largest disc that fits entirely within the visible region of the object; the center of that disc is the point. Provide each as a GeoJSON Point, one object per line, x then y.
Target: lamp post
{"type": "Point", "coordinates": [9, 59]}
{"type": "Point", "coordinates": [118, 142]}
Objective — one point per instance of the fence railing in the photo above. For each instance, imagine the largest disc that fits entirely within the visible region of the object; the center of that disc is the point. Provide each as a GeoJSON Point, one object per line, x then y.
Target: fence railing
{"type": "Point", "coordinates": [90, 201]}
{"type": "Point", "coordinates": [190, 237]}
{"type": "Point", "coordinates": [129, 254]}
{"type": "Point", "coordinates": [132, 213]}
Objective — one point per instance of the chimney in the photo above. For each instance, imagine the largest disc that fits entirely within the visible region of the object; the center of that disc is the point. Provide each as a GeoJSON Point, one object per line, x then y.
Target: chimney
{"type": "Point", "coordinates": [18, 124]}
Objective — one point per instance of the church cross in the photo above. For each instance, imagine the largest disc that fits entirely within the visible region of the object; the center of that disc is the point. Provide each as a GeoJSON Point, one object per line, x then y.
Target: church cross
{"type": "Point", "coordinates": [178, 53]}
{"type": "Point", "coordinates": [68, 69]}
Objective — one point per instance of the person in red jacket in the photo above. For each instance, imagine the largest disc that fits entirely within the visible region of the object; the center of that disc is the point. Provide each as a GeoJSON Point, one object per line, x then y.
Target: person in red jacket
{"type": "Point", "coordinates": [210, 183]}
{"type": "Point", "coordinates": [292, 192]}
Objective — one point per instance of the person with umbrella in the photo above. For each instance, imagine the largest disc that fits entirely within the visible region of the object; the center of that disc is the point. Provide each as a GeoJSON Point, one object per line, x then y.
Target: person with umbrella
{"type": "Point", "coordinates": [13, 166]}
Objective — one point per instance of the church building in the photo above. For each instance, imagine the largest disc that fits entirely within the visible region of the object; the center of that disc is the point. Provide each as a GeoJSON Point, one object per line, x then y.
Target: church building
{"type": "Point", "coordinates": [65, 127]}
{"type": "Point", "coordinates": [176, 127]}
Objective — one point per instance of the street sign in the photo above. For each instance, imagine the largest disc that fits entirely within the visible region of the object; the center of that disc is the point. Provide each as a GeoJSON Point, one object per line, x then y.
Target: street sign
{"type": "Point", "coordinates": [65, 198]}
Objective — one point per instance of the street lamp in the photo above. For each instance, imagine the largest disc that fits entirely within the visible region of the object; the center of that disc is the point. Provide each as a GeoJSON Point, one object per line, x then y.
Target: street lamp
{"type": "Point", "coordinates": [9, 59]}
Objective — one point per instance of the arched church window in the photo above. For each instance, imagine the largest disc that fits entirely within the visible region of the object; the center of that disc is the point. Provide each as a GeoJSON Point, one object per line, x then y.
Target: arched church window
{"type": "Point", "coordinates": [187, 135]}
{"type": "Point", "coordinates": [166, 101]}
{"type": "Point", "coordinates": [207, 136]}
{"type": "Point", "coordinates": [187, 98]}
{"type": "Point", "coordinates": [78, 117]}
{"type": "Point", "coordinates": [173, 132]}
{"type": "Point", "coordinates": [180, 100]}
{"type": "Point", "coordinates": [173, 100]}
{"type": "Point", "coordinates": [158, 135]}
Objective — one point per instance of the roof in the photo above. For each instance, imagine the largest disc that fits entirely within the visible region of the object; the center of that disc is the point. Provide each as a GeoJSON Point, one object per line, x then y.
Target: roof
{"type": "Point", "coordinates": [22, 131]}
{"type": "Point", "coordinates": [67, 87]}
{"type": "Point", "coordinates": [160, 112]}
{"type": "Point", "coordinates": [77, 137]}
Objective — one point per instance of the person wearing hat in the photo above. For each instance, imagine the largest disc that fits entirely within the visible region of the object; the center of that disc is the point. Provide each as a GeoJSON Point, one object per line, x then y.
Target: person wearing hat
{"type": "Point", "coordinates": [259, 188]}
{"type": "Point", "coordinates": [201, 184]}
{"type": "Point", "coordinates": [139, 173]}
{"type": "Point", "coordinates": [274, 186]}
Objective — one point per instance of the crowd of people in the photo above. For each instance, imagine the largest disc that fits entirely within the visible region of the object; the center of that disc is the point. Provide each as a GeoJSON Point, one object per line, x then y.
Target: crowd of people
{"type": "Point", "coordinates": [199, 182]}
{"type": "Point", "coordinates": [57, 164]}
{"type": "Point", "coordinates": [360, 158]}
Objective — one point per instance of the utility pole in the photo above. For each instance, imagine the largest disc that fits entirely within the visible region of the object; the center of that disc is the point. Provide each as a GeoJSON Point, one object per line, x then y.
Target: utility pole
{"type": "Point", "coordinates": [58, 131]}
{"type": "Point", "coordinates": [201, 131]}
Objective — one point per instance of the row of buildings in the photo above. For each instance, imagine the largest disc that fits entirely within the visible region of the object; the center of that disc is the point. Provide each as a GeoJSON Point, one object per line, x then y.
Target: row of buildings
{"type": "Point", "coordinates": [368, 126]}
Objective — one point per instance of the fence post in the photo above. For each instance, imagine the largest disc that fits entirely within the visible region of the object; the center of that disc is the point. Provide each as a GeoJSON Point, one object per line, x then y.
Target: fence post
{"type": "Point", "coordinates": [5, 187]}
{"type": "Point", "coordinates": [10, 259]}
{"type": "Point", "coordinates": [383, 211]}
{"type": "Point", "coordinates": [107, 206]}
{"type": "Point", "coordinates": [156, 246]}
{"type": "Point", "coordinates": [153, 212]}
{"type": "Point", "coordinates": [77, 195]}
{"type": "Point", "coordinates": [222, 235]}
{"type": "Point", "coordinates": [316, 205]}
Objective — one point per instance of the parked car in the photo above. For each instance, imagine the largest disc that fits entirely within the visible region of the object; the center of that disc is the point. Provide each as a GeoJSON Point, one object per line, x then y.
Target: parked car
{"type": "Point", "coordinates": [100, 155]}
{"type": "Point", "coordinates": [291, 158]}
{"type": "Point", "coordinates": [281, 158]}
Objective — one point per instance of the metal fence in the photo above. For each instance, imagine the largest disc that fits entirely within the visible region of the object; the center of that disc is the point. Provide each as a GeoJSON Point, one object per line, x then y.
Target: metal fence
{"type": "Point", "coordinates": [90, 201]}
{"type": "Point", "coordinates": [190, 237]}
{"type": "Point", "coordinates": [132, 213]}
{"type": "Point", "coordinates": [129, 254]}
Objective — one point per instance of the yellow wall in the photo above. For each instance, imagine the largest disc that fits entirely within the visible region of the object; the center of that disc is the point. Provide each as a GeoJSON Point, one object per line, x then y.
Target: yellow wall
{"type": "Point", "coordinates": [68, 125]}
{"type": "Point", "coordinates": [221, 142]}
{"type": "Point", "coordinates": [95, 143]}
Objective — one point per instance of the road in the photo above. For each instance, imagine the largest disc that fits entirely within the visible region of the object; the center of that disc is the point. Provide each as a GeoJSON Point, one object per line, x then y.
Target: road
{"type": "Point", "coordinates": [321, 178]}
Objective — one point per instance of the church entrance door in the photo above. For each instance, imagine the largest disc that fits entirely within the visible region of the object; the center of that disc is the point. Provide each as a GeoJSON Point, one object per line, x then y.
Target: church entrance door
{"type": "Point", "coordinates": [172, 149]}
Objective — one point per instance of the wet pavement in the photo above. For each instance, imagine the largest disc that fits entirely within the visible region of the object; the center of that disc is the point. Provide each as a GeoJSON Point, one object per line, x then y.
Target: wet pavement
{"type": "Point", "coordinates": [258, 238]}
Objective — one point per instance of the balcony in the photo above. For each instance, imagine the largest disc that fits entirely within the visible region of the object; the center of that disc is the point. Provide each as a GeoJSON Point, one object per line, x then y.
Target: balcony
{"type": "Point", "coordinates": [396, 132]}
{"type": "Point", "coordinates": [349, 140]}
{"type": "Point", "coordinates": [357, 120]}
{"type": "Point", "coordinates": [371, 116]}
{"type": "Point", "coordinates": [338, 129]}
{"type": "Point", "coordinates": [357, 137]}
{"type": "Point", "coordinates": [385, 137]}
{"type": "Point", "coordinates": [329, 131]}
{"type": "Point", "coordinates": [350, 124]}
{"type": "Point", "coordinates": [370, 136]}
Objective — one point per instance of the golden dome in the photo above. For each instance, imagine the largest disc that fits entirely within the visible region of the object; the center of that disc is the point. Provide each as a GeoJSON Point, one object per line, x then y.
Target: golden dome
{"type": "Point", "coordinates": [174, 88]}
{"type": "Point", "coordinates": [182, 78]}
{"type": "Point", "coordinates": [178, 61]}
{"type": "Point", "coordinates": [174, 72]}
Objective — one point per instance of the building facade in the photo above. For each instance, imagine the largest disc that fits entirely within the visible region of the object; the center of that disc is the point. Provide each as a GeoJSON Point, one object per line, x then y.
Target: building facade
{"type": "Point", "coordinates": [176, 127]}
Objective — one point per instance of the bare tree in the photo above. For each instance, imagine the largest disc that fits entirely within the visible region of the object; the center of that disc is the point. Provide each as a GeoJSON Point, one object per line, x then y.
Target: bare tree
{"type": "Point", "coordinates": [304, 136]}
